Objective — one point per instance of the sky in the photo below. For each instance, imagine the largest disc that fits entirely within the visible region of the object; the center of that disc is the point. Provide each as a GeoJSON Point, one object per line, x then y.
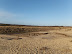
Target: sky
{"type": "Point", "coordinates": [36, 12]}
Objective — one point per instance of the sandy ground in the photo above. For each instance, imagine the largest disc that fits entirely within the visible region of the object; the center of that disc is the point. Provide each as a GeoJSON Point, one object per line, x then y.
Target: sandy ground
{"type": "Point", "coordinates": [55, 42]}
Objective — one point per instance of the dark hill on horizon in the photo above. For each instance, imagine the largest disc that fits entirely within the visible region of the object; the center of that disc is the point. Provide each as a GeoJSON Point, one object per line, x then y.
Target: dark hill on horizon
{"type": "Point", "coordinates": [3, 24]}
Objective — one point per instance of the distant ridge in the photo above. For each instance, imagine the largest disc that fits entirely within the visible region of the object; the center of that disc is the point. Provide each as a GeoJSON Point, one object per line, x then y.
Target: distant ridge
{"type": "Point", "coordinates": [3, 24]}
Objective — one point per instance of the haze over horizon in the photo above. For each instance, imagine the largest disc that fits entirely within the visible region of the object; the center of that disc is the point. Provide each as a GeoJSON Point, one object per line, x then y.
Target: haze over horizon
{"type": "Point", "coordinates": [36, 12]}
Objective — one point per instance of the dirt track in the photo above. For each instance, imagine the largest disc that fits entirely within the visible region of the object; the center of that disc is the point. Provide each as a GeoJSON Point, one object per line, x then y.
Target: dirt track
{"type": "Point", "coordinates": [56, 41]}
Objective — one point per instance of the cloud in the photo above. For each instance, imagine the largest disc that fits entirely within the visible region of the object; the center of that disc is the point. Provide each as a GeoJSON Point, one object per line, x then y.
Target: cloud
{"type": "Point", "coordinates": [6, 14]}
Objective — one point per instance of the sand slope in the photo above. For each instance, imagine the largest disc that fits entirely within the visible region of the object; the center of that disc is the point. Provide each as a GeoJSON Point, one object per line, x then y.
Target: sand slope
{"type": "Point", "coordinates": [55, 42]}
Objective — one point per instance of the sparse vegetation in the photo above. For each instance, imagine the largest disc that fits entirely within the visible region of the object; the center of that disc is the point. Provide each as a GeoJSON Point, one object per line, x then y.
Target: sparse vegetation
{"type": "Point", "coordinates": [23, 29]}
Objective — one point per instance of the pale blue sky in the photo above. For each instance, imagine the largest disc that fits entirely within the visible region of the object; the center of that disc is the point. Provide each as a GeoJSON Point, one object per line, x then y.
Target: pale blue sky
{"type": "Point", "coordinates": [36, 12]}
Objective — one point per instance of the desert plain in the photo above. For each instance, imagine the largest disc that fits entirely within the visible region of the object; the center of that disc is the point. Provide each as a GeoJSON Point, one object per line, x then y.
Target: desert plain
{"type": "Point", "coordinates": [35, 40]}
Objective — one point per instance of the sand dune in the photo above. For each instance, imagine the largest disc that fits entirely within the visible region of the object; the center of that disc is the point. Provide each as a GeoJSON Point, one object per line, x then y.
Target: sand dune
{"type": "Point", "coordinates": [37, 40]}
